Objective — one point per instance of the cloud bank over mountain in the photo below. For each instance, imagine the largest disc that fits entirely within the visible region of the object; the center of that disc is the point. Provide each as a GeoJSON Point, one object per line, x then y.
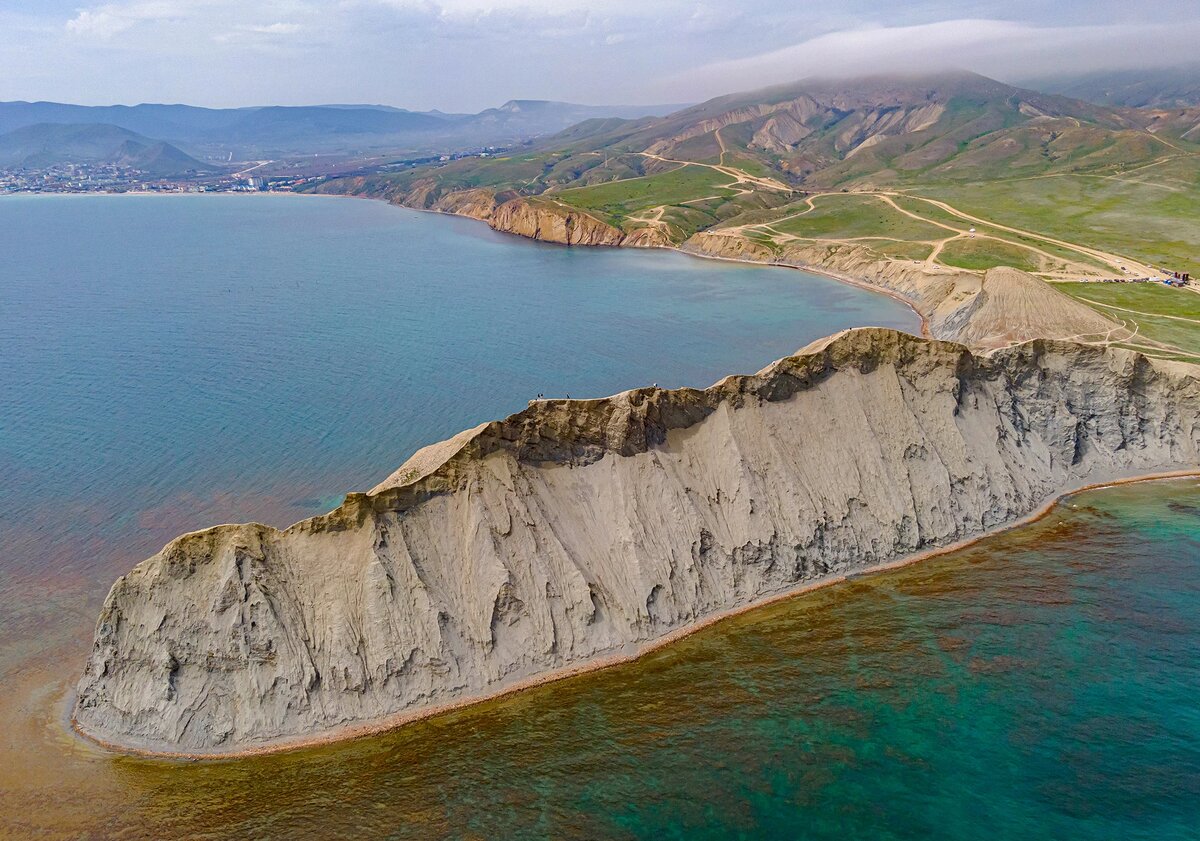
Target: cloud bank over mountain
{"type": "Point", "coordinates": [468, 54]}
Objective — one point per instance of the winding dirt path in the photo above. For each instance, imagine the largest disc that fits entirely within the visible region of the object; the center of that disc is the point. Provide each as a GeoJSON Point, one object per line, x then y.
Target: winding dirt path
{"type": "Point", "coordinates": [742, 176]}
{"type": "Point", "coordinates": [1114, 260]}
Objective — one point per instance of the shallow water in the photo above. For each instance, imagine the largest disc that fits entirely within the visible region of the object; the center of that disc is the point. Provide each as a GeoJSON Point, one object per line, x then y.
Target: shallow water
{"type": "Point", "coordinates": [1041, 684]}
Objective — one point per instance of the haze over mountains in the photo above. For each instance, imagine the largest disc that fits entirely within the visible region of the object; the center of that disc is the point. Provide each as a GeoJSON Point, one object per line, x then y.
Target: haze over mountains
{"type": "Point", "coordinates": [1171, 87]}
{"type": "Point", "coordinates": [246, 133]}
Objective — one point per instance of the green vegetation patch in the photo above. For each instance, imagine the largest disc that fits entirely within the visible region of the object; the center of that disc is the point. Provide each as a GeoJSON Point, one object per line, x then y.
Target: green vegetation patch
{"type": "Point", "coordinates": [491, 172]}
{"type": "Point", "coordinates": [980, 253]}
{"type": "Point", "coordinates": [897, 250]}
{"type": "Point", "coordinates": [1067, 255]}
{"type": "Point", "coordinates": [623, 198]}
{"type": "Point", "coordinates": [749, 165]}
{"type": "Point", "coordinates": [1158, 223]}
{"type": "Point", "coordinates": [1162, 314]}
{"type": "Point", "coordinates": [851, 216]}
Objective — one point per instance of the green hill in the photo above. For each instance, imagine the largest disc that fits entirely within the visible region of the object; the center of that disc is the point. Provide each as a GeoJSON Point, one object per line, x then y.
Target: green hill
{"type": "Point", "coordinates": [1056, 185]}
{"type": "Point", "coordinates": [46, 145]}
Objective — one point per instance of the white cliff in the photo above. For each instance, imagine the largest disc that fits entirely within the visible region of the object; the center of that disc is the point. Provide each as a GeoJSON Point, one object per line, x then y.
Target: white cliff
{"type": "Point", "coordinates": [576, 530]}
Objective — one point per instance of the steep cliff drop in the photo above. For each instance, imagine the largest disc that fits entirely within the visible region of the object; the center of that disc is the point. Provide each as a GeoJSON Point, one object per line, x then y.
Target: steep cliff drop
{"type": "Point", "coordinates": [578, 531]}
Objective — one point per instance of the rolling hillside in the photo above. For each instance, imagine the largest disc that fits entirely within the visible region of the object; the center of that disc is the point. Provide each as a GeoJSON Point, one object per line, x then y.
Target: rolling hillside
{"type": "Point", "coordinates": [935, 136]}
{"type": "Point", "coordinates": [875, 131]}
{"type": "Point", "coordinates": [47, 144]}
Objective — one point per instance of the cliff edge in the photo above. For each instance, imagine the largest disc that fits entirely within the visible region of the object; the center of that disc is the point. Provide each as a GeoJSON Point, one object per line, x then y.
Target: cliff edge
{"type": "Point", "coordinates": [577, 530]}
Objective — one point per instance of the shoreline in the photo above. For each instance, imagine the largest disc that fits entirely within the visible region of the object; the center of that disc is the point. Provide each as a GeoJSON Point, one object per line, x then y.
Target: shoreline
{"type": "Point", "coordinates": [678, 249]}
{"type": "Point", "coordinates": [397, 720]}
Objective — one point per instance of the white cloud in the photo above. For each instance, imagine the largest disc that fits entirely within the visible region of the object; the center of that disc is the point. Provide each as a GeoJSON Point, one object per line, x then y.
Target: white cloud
{"type": "Point", "coordinates": [468, 54]}
{"type": "Point", "coordinates": [451, 8]}
{"type": "Point", "coordinates": [259, 35]}
{"type": "Point", "coordinates": [113, 18]}
{"type": "Point", "coordinates": [278, 28]}
{"type": "Point", "coordinates": [993, 47]}
{"type": "Point", "coordinates": [189, 17]}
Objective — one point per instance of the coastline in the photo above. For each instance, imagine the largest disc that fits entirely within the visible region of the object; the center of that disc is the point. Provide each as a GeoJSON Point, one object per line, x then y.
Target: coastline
{"type": "Point", "coordinates": [678, 249]}
{"type": "Point", "coordinates": [373, 728]}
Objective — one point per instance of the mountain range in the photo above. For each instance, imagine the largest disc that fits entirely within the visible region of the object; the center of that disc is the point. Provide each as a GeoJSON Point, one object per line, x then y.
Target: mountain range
{"type": "Point", "coordinates": [277, 131]}
{"type": "Point", "coordinates": [819, 134]}
{"type": "Point", "coordinates": [889, 129]}
{"type": "Point", "coordinates": [748, 166]}
{"type": "Point", "coordinates": [1169, 87]}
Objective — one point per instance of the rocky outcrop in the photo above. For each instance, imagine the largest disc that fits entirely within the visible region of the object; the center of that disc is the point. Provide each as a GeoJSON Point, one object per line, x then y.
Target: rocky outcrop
{"type": "Point", "coordinates": [651, 236]}
{"type": "Point", "coordinates": [549, 221]}
{"type": "Point", "coordinates": [477, 204]}
{"type": "Point", "coordinates": [578, 530]}
{"type": "Point", "coordinates": [535, 217]}
{"type": "Point", "coordinates": [780, 133]}
{"type": "Point", "coordinates": [869, 127]}
{"type": "Point", "coordinates": [787, 119]}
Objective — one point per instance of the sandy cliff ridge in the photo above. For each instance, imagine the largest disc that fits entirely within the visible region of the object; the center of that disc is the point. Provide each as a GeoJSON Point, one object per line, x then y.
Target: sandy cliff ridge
{"type": "Point", "coordinates": [577, 530]}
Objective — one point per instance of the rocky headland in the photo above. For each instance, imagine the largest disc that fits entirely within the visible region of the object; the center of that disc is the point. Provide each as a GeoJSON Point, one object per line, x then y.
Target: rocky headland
{"type": "Point", "coordinates": [576, 532]}
{"type": "Point", "coordinates": [534, 217]}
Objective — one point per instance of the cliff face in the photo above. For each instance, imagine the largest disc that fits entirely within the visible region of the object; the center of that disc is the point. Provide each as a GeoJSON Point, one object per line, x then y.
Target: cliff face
{"type": "Point", "coordinates": [578, 529]}
{"type": "Point", "coordinates": [539, 218]}
{"type": "Point", "coordinates": [551, 222]}
{"type": "Point", "coordinates": [477, 204]}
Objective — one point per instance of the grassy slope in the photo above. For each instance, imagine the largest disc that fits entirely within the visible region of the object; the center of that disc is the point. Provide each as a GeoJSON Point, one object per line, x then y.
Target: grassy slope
{"type": "Point", "coordinates": [980, 253]}
{"type": "Point", "coordinates": [850, 216]}
{"type": "Point", "coordinates": [628, 197]}
{"type": "Point", "coordinates": [1157, 223]}
{"type": "Point", "coordinates": [932, 212]}
{"type": "Point", "coordinates": [1157, 310]}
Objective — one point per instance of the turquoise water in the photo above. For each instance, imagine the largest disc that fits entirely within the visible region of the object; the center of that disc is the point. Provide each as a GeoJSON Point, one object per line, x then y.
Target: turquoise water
{"type": "Point", "coordinates": [169, 362]}
{"type": "Point", "coordinates": [1041, 685]}
{"type": "Point", "coordinates": [173, 361]}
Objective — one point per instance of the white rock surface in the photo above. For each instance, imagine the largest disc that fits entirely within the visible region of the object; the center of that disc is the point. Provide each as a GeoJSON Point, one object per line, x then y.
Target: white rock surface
{"type": "Point", "coordinates": [579, 529]}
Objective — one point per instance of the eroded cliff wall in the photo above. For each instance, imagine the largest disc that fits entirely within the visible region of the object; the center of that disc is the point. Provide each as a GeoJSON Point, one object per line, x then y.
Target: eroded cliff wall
{"type": "Point", "coordinates": [578, 529]}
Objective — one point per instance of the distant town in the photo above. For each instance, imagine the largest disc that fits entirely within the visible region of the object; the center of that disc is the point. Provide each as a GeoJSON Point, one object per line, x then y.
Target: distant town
{"type": "Point", "coordinates": [117, 178]}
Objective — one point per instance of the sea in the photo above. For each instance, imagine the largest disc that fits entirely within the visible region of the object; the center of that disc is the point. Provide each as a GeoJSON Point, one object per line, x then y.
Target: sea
{"type": "Point", "coordinates": [171, 362]}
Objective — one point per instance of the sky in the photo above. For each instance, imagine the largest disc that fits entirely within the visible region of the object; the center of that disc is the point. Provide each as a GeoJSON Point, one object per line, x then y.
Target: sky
{"type": "Point", "coordinates": [466, 55]}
